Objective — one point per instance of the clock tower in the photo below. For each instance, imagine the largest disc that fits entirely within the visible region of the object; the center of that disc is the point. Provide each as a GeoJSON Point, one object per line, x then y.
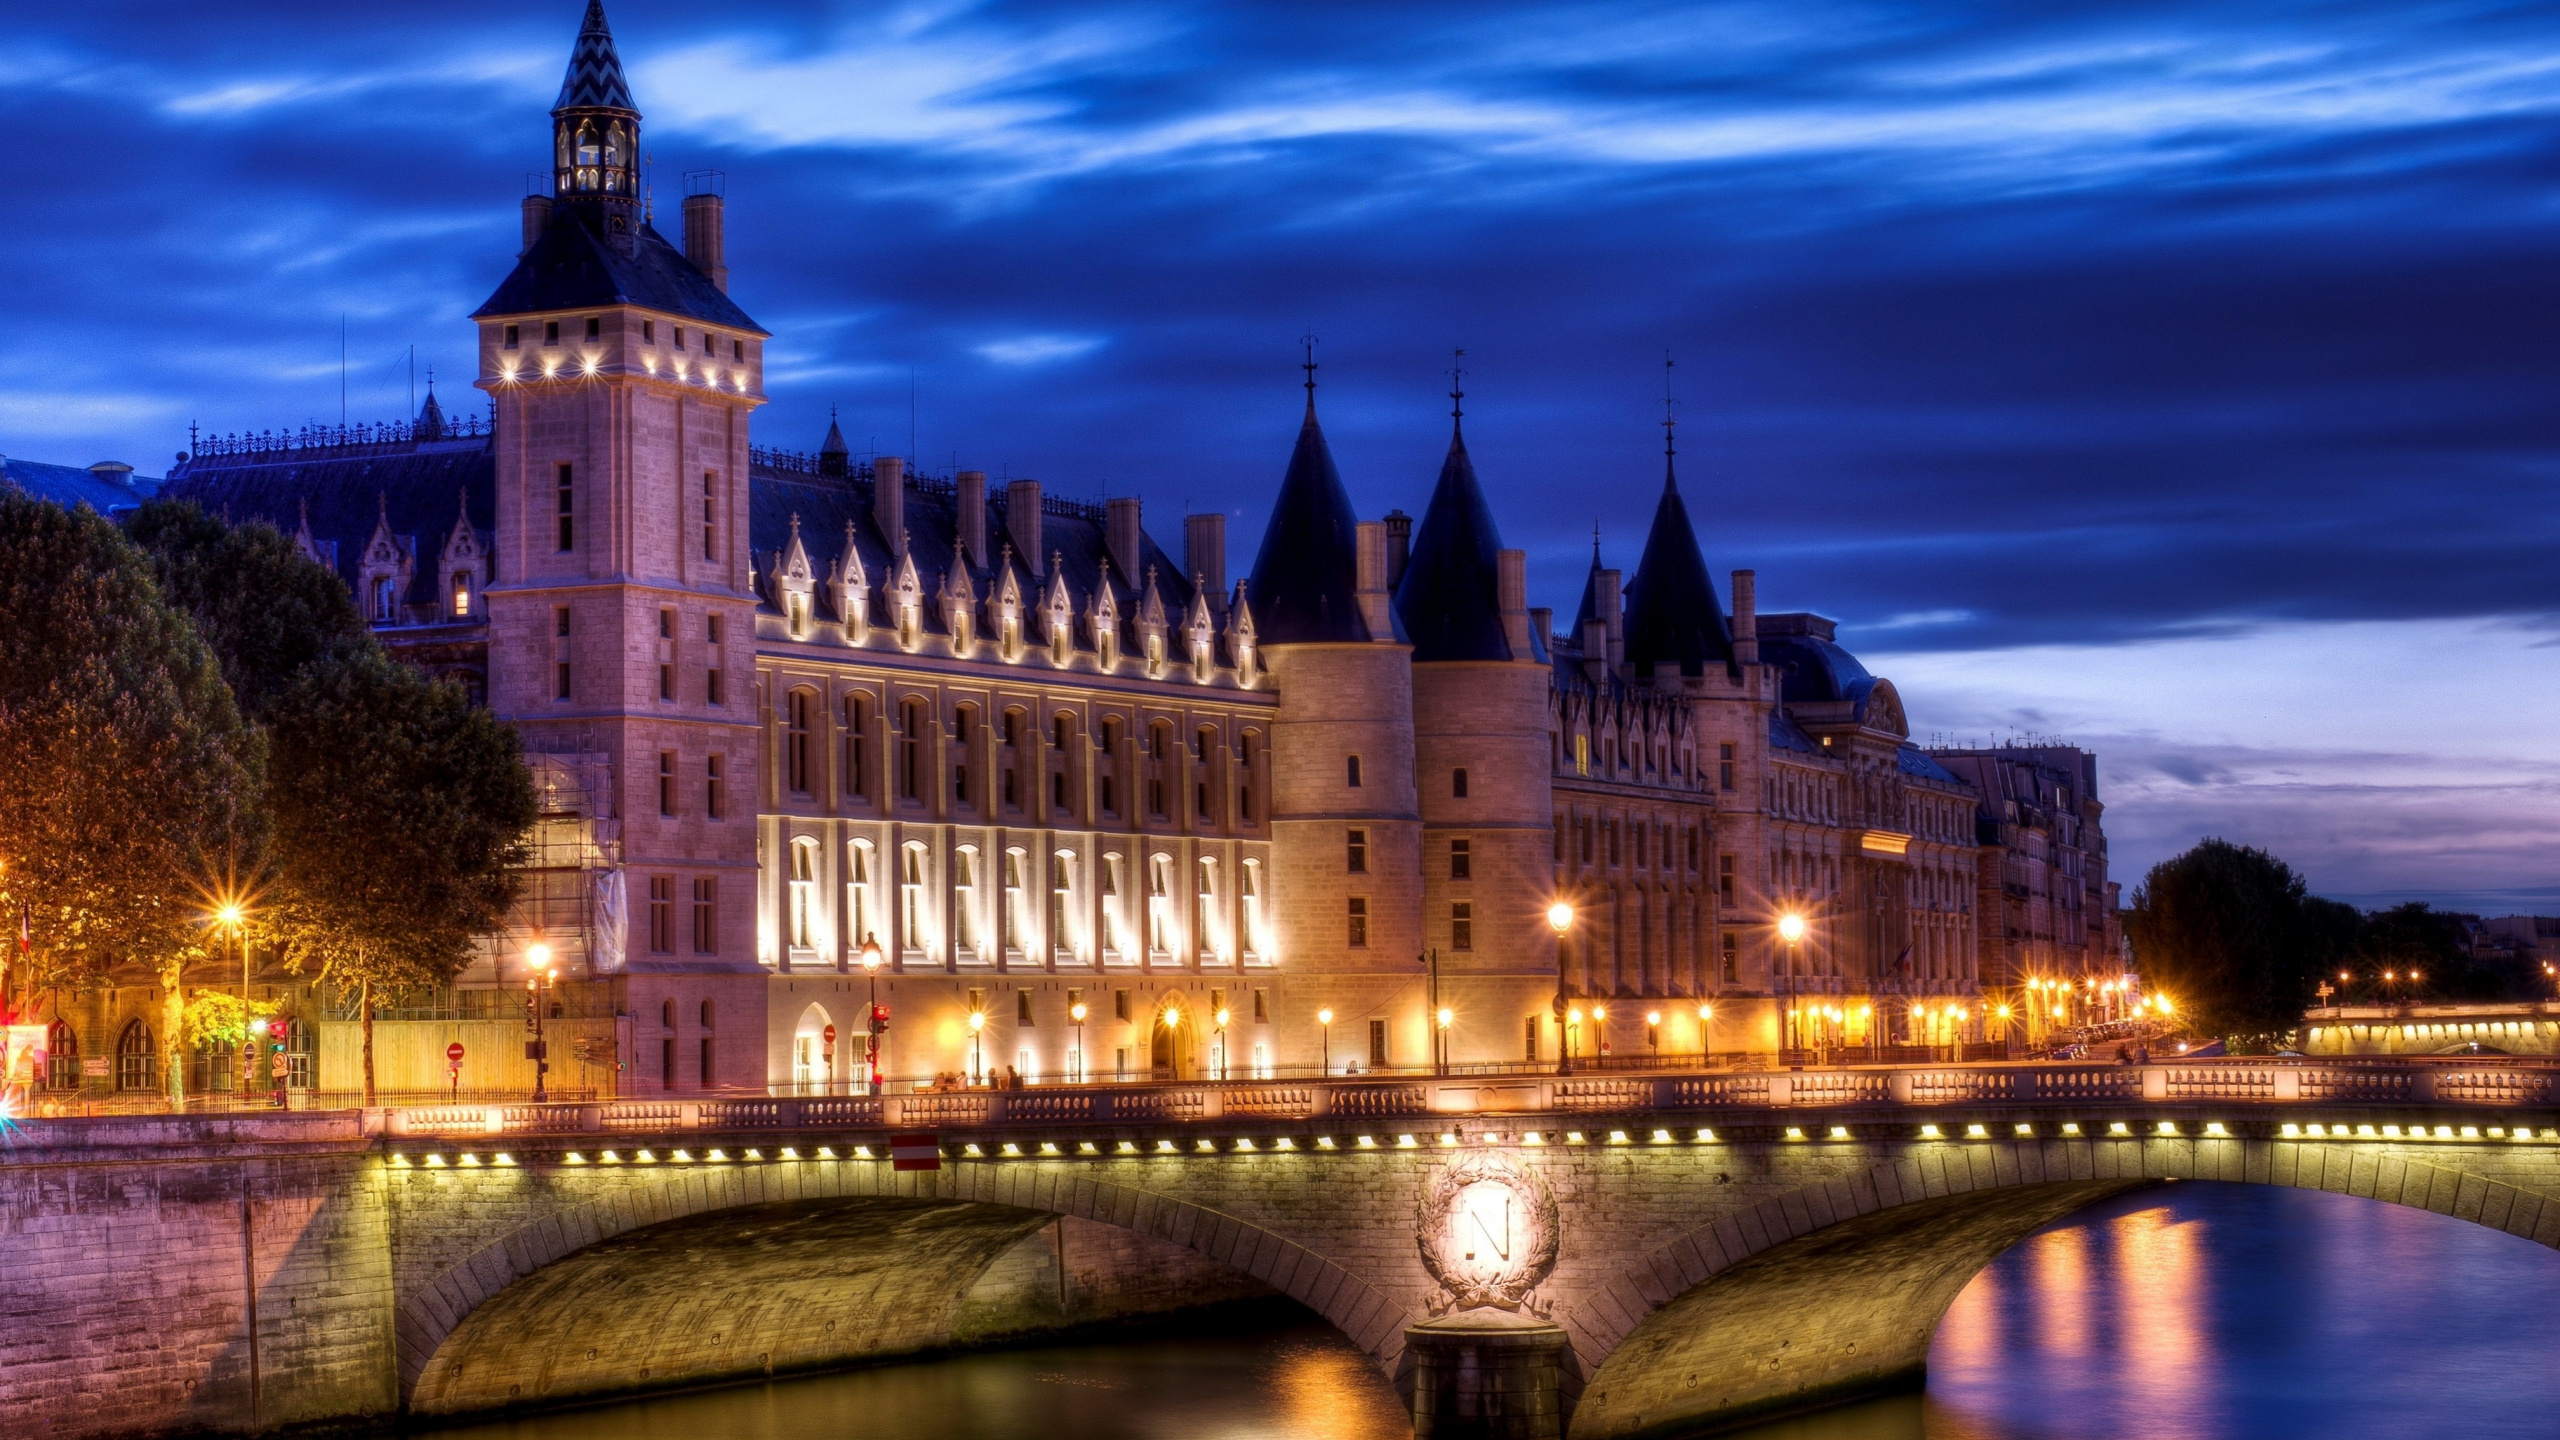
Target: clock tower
{"type": "Point", "coordinates": [622, 616]}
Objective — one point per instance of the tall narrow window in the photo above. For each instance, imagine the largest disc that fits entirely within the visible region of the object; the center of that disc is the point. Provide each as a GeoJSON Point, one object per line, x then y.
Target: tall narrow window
{"type": "Point", "coordinates": [911, 750]}
{"type": "Point", "coordinates": [710, 517]}
{"type": "Point", "coordinates": [1358, 914]}
{"type": "Point", "coordinates": [560, 654]}
{"type": "Point", "coordinates": [1250, 883]}
{"type": "Point", "coordinates": [1462, 925]}
{"type": "Point", "coordinates": [911, 898]}
{"type": "Point", "coordinates": [1377, 1044]}
{"type": "Point", "coordinates": [1009, 920]}
{"type": "Point", "coordinates": [1724, 881]}
{"type": "Point", "coordinates": [712, 798]}
{"type": "Point", "coordinates": [1458, 783]}
{"type": "Point", "coordinates": [1529, 1040]}
{"type": "Point", "coordinates": [964, 898]}
{"type": "Point", "coordinates": [565, 493]}
{"type": "Point", "coordinates": [796, 741]}
{"type": "Point", "coordinates": [961, 739]}
{"type": "Point", "coordinates": [1732, 949]}
{"type": "Point", "coordinates": [857, 894]}
{"type": "Point", "coordinates": [1351, 771]}
{"type": "Point", "coordinates": [1355, 858]}
{"type": "Point", "coordinates": [857, 746]}
{"type": "Point", "coordinates": [1159, 898]}
{"type": "Point", "coordinates": [1061, 898]}
{"type": "Point", "coordinates": [1461, 860]}
{"type": "Point", "coordinates": [1113, 920]}
{"type": "Point", "coordinates": [711, 688]}
{"type": "Point", "coordinates": [804, 894]}
{"type": "Point", "coordinates": [666, 655]}
{"type": "Point", "coordinates": [1204, 903]}
{"type": "Point", "coordinates": [1724, 765]}
{"type": "Point", "coordinates": [667, 783]}
{"type": "Point", "coordinates": [706, 915]}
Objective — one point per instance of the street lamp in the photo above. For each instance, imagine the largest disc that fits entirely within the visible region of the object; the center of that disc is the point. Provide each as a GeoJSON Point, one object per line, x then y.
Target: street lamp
{"type": "Point", "coordinates": [1791, 930]}
{"type": "Point", "coordinates": [876, 1021]}
{"type": "Point", "coordinates": [1600, 1029]}
{"type": "Point", "coordinates": [977, 1045]}
{"type": "Point", "coordinates": [1222, 1016]}
{"type": "Point", "coordinates": [1075, 1058]}
{"type": "Point", "coordinates": [1653, 1035]}
{"type": "Point", "coordinates": [1706, 1035]}
{"type": "Point", "coordinates": [1170, 1018]}
{"type": "Point", "coordinates": [229, 917]}
{"type": "Point", "coordinates": [1324, 1018]}
{"type": "Point", "coordinates": [1441, 1043]}
{"type": "Point", "coordinates": [538, 1049]}
{"type": "Point", "coordinates": [1572, 1028]}
{"type": "Point", "coordinates": [1560, 920]}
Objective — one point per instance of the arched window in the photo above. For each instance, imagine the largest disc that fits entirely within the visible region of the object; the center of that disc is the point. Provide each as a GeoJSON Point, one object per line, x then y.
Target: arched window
{"type": "Point", "coordinates": [667, 1014]}
{"type": "Point", "coordinates": [1014, 759]}
{"type": "Point", "coordinates": [1204, 903]}
{"type": "Point", "coordinates": [1244, 778]}
{"type": "Point", "coordinates": [1062, 879]}
{"type": "Point", "coordinates": [802, 716]}
{"type": "Point", "coordinates": [1061, 783]}
{"type": "Point", "coordinates": [62, 1051]}
{"type": "Point", "coordinates": [964, 737]}
{"type": "Point", "coordinates": [706, 1014]}
{"type": "Point", "coordinates": [1159, 899]}
{"type": "Point", "coordinates": [964, 898]}
{"type": "Point", "coordinates": [1351, 772]}
{"type": "Point", "coordinates": [1159, 764]}
{"type": "Point", "coordinates": [857, 746]}
{"type": "Point", "coordinates": [804, 894]}
{"type": "Point", "coordinates": [1114, 935]}
{"type": "Point", "coordinates": [133, 1057]}
{"type": "Point", "coordinates": [462, 595]}
{"type": "Point", "coordinates": [857, 894]}
{"type": "Point", "coordinates": [1012, 920]}
{"type": "Point", "coordinates": [1106, 758]}
{"type": "Point", "coordinates": [1250, 881]}
{"type": "Point", "coordinates": [386, 599]}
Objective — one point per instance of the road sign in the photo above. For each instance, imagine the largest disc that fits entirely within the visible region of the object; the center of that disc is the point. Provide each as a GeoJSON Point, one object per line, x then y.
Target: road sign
{"type": "Point", "coordinates": [921, 1151]}
{"type": "Point", "coordinates": [831, 1039]}
{"type": "Point", "coordinates": [453, 1054]}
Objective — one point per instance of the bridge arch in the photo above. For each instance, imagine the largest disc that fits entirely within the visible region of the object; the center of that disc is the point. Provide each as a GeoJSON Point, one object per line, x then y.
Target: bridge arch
{"type": "Point", "coordinates": [1835, 1290]}
{"type": "Point", "coordinates": [962, 1218]}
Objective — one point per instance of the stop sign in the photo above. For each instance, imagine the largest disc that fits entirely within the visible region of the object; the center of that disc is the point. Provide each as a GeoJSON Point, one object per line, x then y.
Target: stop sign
{"type": "Point", "coordinates": [453, 1053]}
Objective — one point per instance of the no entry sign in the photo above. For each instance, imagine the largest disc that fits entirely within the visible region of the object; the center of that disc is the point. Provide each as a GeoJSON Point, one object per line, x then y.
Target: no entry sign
{"type": "Point", "coordinates": [922, 1151]}
{"type": "Point", "coordinates": [453, 1054]}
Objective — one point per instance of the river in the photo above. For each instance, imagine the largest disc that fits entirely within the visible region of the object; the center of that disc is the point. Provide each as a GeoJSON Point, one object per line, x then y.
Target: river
{"type": "Point", "coordinates": [2187, 1312]}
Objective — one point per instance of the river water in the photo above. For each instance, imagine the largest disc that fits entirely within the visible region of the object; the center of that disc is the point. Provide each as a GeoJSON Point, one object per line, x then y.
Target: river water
{"type": "Point", "coordinates": [2187, 1312]}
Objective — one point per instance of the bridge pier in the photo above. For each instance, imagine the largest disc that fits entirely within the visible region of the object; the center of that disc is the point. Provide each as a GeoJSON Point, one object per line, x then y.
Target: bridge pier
{"type": "Point", "coordinates": [1487, 1375]}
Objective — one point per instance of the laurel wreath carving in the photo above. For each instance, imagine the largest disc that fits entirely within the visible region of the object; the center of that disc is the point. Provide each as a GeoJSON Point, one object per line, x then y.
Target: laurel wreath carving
{"type": "Point", "coordinates": [1511, 1289]}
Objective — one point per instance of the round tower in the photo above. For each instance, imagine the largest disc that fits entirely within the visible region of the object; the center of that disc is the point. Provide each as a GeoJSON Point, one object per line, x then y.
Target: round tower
{"type": "Point", "coordinates": [1346, 839]}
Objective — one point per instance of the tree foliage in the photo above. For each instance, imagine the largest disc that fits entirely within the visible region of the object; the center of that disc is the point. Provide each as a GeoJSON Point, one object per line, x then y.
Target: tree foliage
{"type": "Point", "coordinates": [267, 610]}
{"type": "Point", "coordinates": [401, 822]}
{"type": "Point", "coordinates": [131, 782]}
{"type": "Point", "coordinates": [2230, 934]}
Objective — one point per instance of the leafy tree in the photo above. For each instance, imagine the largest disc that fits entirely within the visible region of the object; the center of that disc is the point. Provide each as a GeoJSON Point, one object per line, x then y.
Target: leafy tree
{"type": "Point", "coordinates": [130, 779]}
{"type": "Point", "coordinates": [2427, 948]}
{"type": "Point", "coordinates": [401, 822]}
{"type": "Point", "coordinates": [2229, 933]}
{"type": "Point", "coordinates": [268, 610]}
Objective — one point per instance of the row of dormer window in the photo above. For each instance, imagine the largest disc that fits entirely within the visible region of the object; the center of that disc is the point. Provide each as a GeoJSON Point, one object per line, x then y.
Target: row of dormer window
{"type": "Point", "coordinates": [514, 338]}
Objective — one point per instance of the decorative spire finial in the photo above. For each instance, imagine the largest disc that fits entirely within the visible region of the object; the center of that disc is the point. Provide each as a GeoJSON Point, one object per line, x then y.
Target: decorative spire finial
{"type": "Point", "coordinates": [1307, 343]}
{"type": "Point", "coordinates": [1668, 422]}
{"type": "Point", "coordinates": [1457, 385]}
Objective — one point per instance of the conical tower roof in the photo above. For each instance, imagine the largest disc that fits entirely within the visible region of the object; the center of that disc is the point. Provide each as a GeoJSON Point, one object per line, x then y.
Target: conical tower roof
{"type": "Point", "coordinates": [594, 81]}
{"type": "Point", "coordinates": [1450, 601]}
{"type": "Point", "coordinates": [1672, 611]}
{"type": "Point", "coordinates": [834, 444]}
{"type": "Point", "coordinates": [1589, 610]}
{"type": "Point", "coordinates": [430, 416]}
{"type": "Point", "coordinates": [1306, 577]}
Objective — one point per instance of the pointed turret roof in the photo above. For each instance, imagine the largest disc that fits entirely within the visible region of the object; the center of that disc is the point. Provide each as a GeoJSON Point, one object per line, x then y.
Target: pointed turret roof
{"type": "Point", "coordinates": [1306, 576]}
{"type": "Point", "coordinates": [1590, 607]}
{"type": "Point", "coordinates": [1672, 611]}
{"type": "Point", "coordinates": [430, 415]}
{"type": "Point", "coordinates": [834, 444]}
{"type": "Point", "coordinates": [594, 80]}
{"type": "Point", "coordinates": [1450, 600]}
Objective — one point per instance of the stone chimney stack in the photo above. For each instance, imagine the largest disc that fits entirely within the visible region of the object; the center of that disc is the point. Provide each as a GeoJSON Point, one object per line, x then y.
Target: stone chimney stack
{"type": "Point", "coordinates": [1370, 581]}
{"type": "Point", "coordinates": [1746, 617]}
{"type": "Point", "coordinates": [537, 218]}
{"type": "Point", "coordinates": [1126, 539]}
{"type": "Point", "coordinates": [1022, 522]}
{"type": "Point", "coordinates": [1542, 625]}
{"type": "Point", "coordinates": [970, 500]}
{"type": "Point", "coordinates": [704, 243]}
{"type": "Point", "coordinates": [1204, 555]}
{"type": "Point", "coordinates": [1511, 583]}
{"type": "Point", "coordinates": [1613, 614]}
{"type": "Point", "coordinates": [1399, 546]}
{"type": "Point", "coordinates": [889, 501]}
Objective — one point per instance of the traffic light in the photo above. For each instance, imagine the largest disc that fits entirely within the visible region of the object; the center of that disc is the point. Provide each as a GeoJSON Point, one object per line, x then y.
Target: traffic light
{"type": "Point", "coordinates": [879, 1019]}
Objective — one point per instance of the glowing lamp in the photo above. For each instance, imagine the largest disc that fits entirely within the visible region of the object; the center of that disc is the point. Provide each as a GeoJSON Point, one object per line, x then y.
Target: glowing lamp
{"type": "Point", "coordinates": [1791, 927]}
{"type": "Point", "coordinates": [1325, 1016]}
{"type": "Point", "coordinates": [1560, 917]}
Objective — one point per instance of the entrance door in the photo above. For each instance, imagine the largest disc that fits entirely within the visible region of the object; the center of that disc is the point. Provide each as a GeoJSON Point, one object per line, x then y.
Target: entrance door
{"type": "Point", "coordinates": [1166, 1040]}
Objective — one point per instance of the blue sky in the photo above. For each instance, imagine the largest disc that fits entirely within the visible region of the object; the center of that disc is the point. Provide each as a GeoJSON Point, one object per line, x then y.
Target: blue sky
{"type": "Point", "coordinates": [2176, 379]}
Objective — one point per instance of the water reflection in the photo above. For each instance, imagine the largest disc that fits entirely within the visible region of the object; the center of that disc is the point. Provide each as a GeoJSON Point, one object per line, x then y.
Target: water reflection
{"type": "Point", "coordinates": [2189, 1312]}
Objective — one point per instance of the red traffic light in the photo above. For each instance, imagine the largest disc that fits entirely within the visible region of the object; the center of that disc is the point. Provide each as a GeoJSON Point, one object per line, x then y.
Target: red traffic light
{"type": "Point", "coordinates": [879, 1017]}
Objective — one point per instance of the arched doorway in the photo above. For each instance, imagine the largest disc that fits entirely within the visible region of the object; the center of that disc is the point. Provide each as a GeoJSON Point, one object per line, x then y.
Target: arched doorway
{"type": "Point", "coordinates": [1170, 1048]}
{"type": "Point", "coordinates": [813, 1053]}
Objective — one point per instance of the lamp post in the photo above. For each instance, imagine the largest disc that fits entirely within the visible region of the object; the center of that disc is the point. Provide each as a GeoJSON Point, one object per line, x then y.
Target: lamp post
{"type": "Point", "coordinates": [1222, 1016]}
{"type": "Point", "coordinates": [873, 1022]}
{"type": "Point", "coordinates": [1560, 920]}
{"type": "Point", "coordinates": [1170, 1018]}
{"type": "Point", "coordinates": [1600, 1028]}
{"type": "Point", "coordinates": [230, 917]}
{"type": "Point", "coordinates": [1075, 1057]}
{"type": "Point", "coordinates": [1324, 1019]}
{"type": "Point", "coordinates": [1440, 1041]}
{"type": "Point", "coordinates": [1653, 1035]}
{"type": "Point", "coordinates": [1791, 930]}
{"type": "Point", "coordinates": [538, 978]}
{"type": "Point", "coordinates": [1706, 1035]}
{"type": "Point", "coordinates": [977, 1045]}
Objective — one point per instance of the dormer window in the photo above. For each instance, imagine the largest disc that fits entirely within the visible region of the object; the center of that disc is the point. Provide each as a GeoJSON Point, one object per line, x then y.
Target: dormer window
{"type": "Point", "coordinates": [386, 599]}
{"type": "Point", "coordinates": [595, 328]}
{"type": "Point", "coordinates": [462, 596]}
{"type": "Point", "coordinates": [511, 337]}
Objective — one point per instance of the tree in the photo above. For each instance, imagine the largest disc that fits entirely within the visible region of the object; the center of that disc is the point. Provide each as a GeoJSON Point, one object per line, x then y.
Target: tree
{"type": "Point", "coordinates": [401, 818]}
{"type": "Point", "coordinates": [2229, 933]}
{"type": "Point", "coordinates": [129, 779]}
{"type": "Point", "coordinates": [267, 610]}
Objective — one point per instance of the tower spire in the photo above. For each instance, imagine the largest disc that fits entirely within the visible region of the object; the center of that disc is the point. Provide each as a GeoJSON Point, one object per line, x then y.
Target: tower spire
{"type": "Point", "coordinates": [1307, 343]}
{"type": "Point", "coordinates": [1669, 421]}
{"type": "Point", "coordinates": [1457, 388]}
{"type": "Point", "coordinates": [595, 133]}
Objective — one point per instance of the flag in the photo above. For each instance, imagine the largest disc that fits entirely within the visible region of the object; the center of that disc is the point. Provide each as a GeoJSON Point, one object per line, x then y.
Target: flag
{"type": "Point", "coordinates": [920, 1151]}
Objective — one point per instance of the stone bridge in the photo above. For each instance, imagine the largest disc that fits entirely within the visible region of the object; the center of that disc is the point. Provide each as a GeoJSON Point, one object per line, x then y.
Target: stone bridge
{"type": "Point", "coordinates": [1524, 1256]}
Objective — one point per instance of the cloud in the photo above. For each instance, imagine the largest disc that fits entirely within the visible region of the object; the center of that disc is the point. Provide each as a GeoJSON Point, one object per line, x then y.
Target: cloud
{"type": "Point", "coordinates": [1039, 349]}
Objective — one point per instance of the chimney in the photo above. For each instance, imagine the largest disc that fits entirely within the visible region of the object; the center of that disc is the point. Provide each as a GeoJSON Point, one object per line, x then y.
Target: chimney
{"type": "Point", "coordinates": [971, 520]}
{"type": "Point", "coordinates": [1511, 585]}
{"type": "Point", "coordinates": [1613, 613]}
{"type": "Point", "coordinates": [1370, 571]}
{"type": "Point", "coordinates": [1126, 541]}
{"type": "Point", "coordinates": [703, 242]}
{"type": "Point", "coordinates": [1399, 546]}
{"type": "Point", "coordinates": [889, 501]}
{"type": "Point", "coordinates": [537, 218]}
{"type": "Point", "coordinates": [1204, 555]}
{"type": "Point", "coordinates": [1542, 625]}
{"type": "Point", "coordinates": [1022, 523]}
{"type": "Point", "coordinates": [1746, 617]}
{"type": "Point", "coordinates": [1595, 649]}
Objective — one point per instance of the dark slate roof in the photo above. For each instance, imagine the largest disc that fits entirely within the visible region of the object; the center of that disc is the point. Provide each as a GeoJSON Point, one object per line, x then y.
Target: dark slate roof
{"type": "Point", "coordinates": [69, 486]}
{"type": "Point", "coordinates": [1073, 531]}
{"type": "Point", "coordinates": [420, 486]}
{"type": "Point", "coordinates": [1815, 670]}
{"type": "Point", "coordinates": [1306, 577]}
{"type": "Point", "coordinates": [1915, 762]}
{"type": "Point", "coordinates": [1450, 601]}
{"type": "Point", "coordinates": [1786, 734]}
{"type": "Point", "coordinates": [573, 268]}
{"type": "Point", "coordinates": [594, 80]}
{"type": "Point", "coordinates": [1672, 610]}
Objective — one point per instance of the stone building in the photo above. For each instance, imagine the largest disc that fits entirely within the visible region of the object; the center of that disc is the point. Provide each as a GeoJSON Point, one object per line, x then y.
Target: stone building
{"type": "Point", "coordinates": [2047, 909]}
{"type": "Point", "coordinates": [1102, 810]}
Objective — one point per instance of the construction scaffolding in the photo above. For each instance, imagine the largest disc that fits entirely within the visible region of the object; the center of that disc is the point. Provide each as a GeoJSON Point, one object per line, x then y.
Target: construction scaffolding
{"type": "Point", "coordinates": [572, 900]}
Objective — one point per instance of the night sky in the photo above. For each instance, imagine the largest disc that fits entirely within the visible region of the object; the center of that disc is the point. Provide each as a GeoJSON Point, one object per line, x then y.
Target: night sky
{"type": "Point", "coordinates": [2173, 379]}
